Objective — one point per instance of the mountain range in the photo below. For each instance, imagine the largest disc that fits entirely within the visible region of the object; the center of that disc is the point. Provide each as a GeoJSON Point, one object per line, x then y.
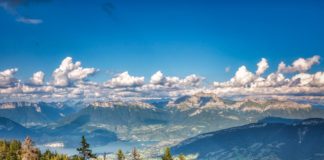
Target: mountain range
{"type": "Point", "coordinates": [269, 139]}
{"type": "Point", "coordinates": [150, 120]}
{"type": "Point", "coordinates": [35, 114]}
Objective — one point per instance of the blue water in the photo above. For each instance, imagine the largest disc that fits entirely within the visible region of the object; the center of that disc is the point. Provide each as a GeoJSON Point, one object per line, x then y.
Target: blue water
{"type": "Point", "coordinates": [318, 106]}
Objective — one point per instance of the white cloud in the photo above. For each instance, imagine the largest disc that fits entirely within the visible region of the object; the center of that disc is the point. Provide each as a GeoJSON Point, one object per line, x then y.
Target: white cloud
{"type": "Point", "coordinates": [191, 80]}
{"type": "Point", "coordinates": [38, 78]}
{"type": "Point", "coordinates": [318, 79]}
{"type": "Point", "coordinates": [158, 78]}
{"type": "Point", "coordinates": [246, 83]}
{"type": "Point", "coordinates": [262, 66]}
{"type": "Point", "coordinates": [245, 78]}
{"type": "Point", "coordinates": [125, 80]}
{"type": "Point", "coordinates": [7, 78]}
{"type": "Point", "coordinates": [299, 65]}
{"type": "Point", "coordinates": [301, 79]}
{"type": "Point", "coordinates": [29, 20]}
{"type": "Point", "coordinates": [272, 80]}
{"type": "Point", "coordinates": [70, 72]}
{"type": "Point", "coordinates": [242, 77]}
{"type": "Point", "coordinates": [306, 79]}
{"type": "Point", "coordinates": [73, 83]}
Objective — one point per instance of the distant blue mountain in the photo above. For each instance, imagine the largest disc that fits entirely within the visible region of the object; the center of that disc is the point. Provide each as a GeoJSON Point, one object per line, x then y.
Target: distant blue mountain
{"type": "Point", "coordinates": [71, 132]}
{"type": "Point", "coordinates": [34, 114]}
{"type": "Point", "coordinates": [150, 120]}
{"type": "Point", "coordinates": [13, 130]}
{"type": "Point", "coordinates": [279, 120]}
{"type": "Point", "coordinates": [269, 140]}
{"type": "Point", "coordinates": [184, 117]}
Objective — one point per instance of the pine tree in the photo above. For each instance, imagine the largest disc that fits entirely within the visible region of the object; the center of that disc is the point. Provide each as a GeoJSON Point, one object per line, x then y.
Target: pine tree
{"type": "Point", "coordinates": [120, 155]}
{"type": "Point", "coordinates": [104, 155]}
{"type": "Point", "coordinates": [135, 155]}
{"type": "Point", "coordinates": [85, 150]}
{"type": "Point", "coordinates": [28, 151]}
{"type": "Point", "coordinates": [181, 157]}
{"type": "Point", "coordinates": [167, 154]}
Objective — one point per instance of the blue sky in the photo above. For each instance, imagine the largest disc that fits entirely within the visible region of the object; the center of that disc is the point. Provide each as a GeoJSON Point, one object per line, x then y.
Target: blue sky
{"type": "Point", "coordinates": [176, 36]}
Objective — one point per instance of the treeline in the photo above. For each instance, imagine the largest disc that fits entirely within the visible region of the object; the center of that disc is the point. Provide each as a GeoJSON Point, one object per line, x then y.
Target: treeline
{"type": "Point", "coordinates": [15, 150]}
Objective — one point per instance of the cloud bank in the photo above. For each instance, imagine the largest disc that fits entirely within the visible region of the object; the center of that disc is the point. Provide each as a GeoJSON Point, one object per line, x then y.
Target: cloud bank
{"type": "Point", "coordinates": [71, 81]}
{"type": "Point", "coordinates": [245, 82]}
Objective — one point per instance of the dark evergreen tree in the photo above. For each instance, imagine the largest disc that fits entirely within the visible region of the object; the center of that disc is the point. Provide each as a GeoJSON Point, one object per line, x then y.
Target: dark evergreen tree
{"type": "Point", "coordinates": [104, 155]}
{"type": "Point", "coordinates": [85, 150]}
{"type": "Point", "coordinates": [135, 155]}
{"type": "Point", "coordinates": [120, 155]}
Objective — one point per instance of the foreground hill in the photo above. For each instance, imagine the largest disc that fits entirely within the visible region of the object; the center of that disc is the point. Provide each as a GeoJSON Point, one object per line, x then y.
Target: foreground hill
{"type": "Point", "coordinates": [269, 139]}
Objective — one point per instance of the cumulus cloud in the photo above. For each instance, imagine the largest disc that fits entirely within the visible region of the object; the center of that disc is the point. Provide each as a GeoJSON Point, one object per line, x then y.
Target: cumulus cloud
{"type": "Point", "coordinates": [299, 65]}
{"type": "Point", "coordinates": [68, 73]}
{"type": "Point", "coordinates": [246, 83]}
{"type": "Point", "coordinates": [159, 79]}
{"type": "Point", "coordinates": [242, 77]}
{"type": "Point", "coordinates": [306, 79]}
{"type": "Point", "coordinates": [125, 80]}
{"type": "Point", "coordinates": [71, 81]}
{"type": "Point", "coordinates": [318, 79]}
{"type": "Point", "coordinates": [272, 80]}
{"type": "Point", "coordinates": [191, 80]}
{"type": "Point", "coordinates": [7, 78]}
{"type": "Point", "coordinates": [301, 79]}
{"type": "Point", "coordinates": [38, 78]}
{"type": "Point", "coordinates": [262, 66]}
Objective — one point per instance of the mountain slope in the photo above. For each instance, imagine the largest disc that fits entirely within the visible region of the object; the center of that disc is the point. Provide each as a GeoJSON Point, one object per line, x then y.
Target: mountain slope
{"type": "Point", "coordinates": [32, 114]}
{"type": "Point", "coordinates": [69, 134]}
{"type": "Point", "coordinates": [12, 130]}
{"type": "Point", "coordinates": [300, 140]}
{"type": "Point", "coordinates": [155, 120]}
{"type": "Point", "coordinates": [186, 116]}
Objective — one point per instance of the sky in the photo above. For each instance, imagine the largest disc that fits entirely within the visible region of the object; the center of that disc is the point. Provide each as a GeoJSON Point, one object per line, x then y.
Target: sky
{"type": "Point", "coordinates": [211, 39]}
